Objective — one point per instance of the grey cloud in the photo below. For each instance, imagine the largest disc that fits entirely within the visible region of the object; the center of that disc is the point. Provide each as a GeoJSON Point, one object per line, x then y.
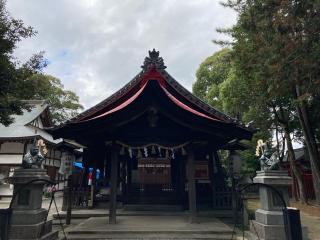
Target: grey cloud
{"type": "Point", "coordinates": [104, 42]}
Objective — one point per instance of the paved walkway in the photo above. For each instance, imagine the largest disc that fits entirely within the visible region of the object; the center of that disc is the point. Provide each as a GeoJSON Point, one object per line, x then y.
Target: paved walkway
{"type": "Point", "coordinates": [151, 227]}
{"type": "Point", "coordinates": [312, 224]}
{"type": "Point", "coordinates": [5, 190]}
{"type": "Point", "coordinates": [152, 223]}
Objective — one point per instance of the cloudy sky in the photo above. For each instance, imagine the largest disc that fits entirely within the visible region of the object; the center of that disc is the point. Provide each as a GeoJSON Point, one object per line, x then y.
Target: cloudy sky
{"type": "Point", "coordinates": [96, 46]}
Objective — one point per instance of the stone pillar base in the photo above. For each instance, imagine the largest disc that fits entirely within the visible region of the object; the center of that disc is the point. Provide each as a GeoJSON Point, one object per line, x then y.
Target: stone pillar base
{"type": "Point", "coordinates": [269, 217]}
{"type": "Point", "coordinates": [28, 216]}
{"type": "Point", "coordinates": [36, 231]}
{"type": "Point", "coordinates": [270, 232]}
{"type": "Point", "coordinates": [268, 223]}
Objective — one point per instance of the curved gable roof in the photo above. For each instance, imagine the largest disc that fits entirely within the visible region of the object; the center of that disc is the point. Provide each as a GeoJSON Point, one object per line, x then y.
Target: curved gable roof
{"type": "Point", "coordinates": [153, 69]}
{"type": "Point", "coordinates": [154, 62]}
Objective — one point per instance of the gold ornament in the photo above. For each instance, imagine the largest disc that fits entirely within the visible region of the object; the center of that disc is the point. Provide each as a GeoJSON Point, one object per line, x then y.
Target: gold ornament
{"type": "Point", "coordinates": [42, 146]}
{"type": "Point", "coordinates": [259, 149]}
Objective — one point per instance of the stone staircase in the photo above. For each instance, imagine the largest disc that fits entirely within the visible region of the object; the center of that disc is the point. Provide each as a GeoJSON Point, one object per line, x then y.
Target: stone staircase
{"type": "Point", "coordinates": [151, 235]}
{"type": "Point", "coordinates": [151, 228]}
{"type": "Point", "coordinates": [152, 208]}
{"type": "Point", "coordinates": [225, 215]}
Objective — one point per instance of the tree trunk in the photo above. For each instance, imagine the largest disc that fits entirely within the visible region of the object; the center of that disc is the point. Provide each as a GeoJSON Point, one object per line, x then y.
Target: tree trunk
{"type": "Point", "coordinates": [294, 168]}
{"type": "Point", "coordinates": [311, 145]}
{"type": "Point", "coordinates": [316, 184]}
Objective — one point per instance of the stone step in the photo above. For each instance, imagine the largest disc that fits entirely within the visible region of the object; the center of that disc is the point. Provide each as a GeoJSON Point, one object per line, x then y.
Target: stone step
{"type": "Point", "coordinates": [152, 236]}
{"type": "Point", "coordinates": [153, 231]}
{"type": "Point", "coordinates": [50, 236]}
{"type": "Point", "coordinates": [152, 207]}
{"type": "Point", "coordinates": [56, 222]}
{"type": "Point", "coordinates": [150, 227]}
{"type": "Point", "coordinates": [86, 213]}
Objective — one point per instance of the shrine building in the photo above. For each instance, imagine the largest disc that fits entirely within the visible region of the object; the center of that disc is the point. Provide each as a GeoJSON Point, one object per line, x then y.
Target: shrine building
{"type": "Point", "coordinates": [156, 143]}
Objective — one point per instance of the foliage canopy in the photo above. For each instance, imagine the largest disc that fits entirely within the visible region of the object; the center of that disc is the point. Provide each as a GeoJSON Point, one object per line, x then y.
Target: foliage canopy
{"type": "Point", "coordinates": [25, 81]}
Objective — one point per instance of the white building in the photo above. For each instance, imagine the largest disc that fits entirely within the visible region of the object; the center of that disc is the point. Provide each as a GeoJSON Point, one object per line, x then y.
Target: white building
{"type": "Point", "coordinates": [18, 137]}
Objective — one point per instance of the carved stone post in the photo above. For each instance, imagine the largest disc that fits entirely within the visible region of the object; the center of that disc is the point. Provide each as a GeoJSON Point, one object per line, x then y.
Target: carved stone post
{"type": "Point", "coordinates": [28, 217]}
{"type": "Point", "coordinates": [268, 223]}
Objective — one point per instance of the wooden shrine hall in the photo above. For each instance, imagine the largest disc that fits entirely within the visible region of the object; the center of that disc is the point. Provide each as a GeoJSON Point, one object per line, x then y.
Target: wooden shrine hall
{"type": "Point", "coordinates": [157, 143]}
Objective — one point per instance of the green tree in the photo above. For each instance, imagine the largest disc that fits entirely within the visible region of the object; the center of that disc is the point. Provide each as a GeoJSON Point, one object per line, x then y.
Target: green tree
{"type": "Point", "coordinates": [240, 90]}
{"type": "Point", "coordinates": [276, 48]}
{"type": "Point", "coordinates": [13, 74]}
{"type": "Point", "coordinates": [210, 74]}
{"type": "Point", "coordinates": [63, 104]}
{"type": "Point", "coordinates": [25, 81]}
{"type": "Point", "coordinates": [215, 85]}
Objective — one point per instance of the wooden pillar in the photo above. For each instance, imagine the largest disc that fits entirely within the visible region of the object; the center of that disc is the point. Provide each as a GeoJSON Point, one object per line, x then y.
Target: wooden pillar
{"type": "Point", "coordinates": [69, 201]}
{"type": "Point", "coordinates": [211, 165]}
{"type": "Point", "coordinates": [233, 186]}
{"type": "Point", "coordinates": [191, 186]}
{"type": "Point", "coordinates": [123, 179]}
{"type": "Point", "coordinates": [113, 183]}
{"type": "Point", "coordinates": [182, 182]}
{"type": "Point", "coordinates": [234, 201]}
{"type": "Point", "coordinates": [129, 173]}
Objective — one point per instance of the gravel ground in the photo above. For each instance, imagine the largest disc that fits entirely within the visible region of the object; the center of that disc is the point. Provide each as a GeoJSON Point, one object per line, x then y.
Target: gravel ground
{"type": "Point", "coordinates": [309, 215]}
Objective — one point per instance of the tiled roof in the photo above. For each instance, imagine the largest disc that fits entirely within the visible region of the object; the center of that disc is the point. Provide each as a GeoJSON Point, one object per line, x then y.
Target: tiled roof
{"type": "Point", "coordinates": [22, 127]}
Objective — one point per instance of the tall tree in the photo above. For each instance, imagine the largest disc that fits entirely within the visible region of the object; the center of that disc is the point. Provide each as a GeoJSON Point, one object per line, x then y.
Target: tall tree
{"type": "Point", "coordinates": [13, 74]}
{"type": "Point", "coordinates": [63, 104]}
{"type": "Point", "coordinates": [277, 45]}
{"type": "Point", "coordinates": [215, 85]}
{"type": "Point", "coordinates": [26, 81]}
{"type": "Point", "coordinates": [241, 91]}
{"type": "Point", "coordinates": [210, 74]}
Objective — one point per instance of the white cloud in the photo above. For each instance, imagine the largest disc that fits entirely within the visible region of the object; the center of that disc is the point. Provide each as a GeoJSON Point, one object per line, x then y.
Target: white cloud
{"type": "Point", "coordinates": [96, 46]}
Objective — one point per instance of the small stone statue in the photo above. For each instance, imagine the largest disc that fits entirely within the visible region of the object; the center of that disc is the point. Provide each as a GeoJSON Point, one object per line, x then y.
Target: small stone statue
{"type": "Point", "coordinates": [268, 160]}
{"type": "Point", "coordinates": [33, 159]}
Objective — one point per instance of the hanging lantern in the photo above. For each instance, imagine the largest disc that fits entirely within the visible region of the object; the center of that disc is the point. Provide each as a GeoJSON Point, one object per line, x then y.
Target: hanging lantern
{"type": "Point", "coordinates": [139, 155]}
{"type": "Point", "coordinates": [122, 151]}
{"type": "Point", "coordinates": [153, 150]}
{"type": "Point", "coordinates": [183, 151]}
